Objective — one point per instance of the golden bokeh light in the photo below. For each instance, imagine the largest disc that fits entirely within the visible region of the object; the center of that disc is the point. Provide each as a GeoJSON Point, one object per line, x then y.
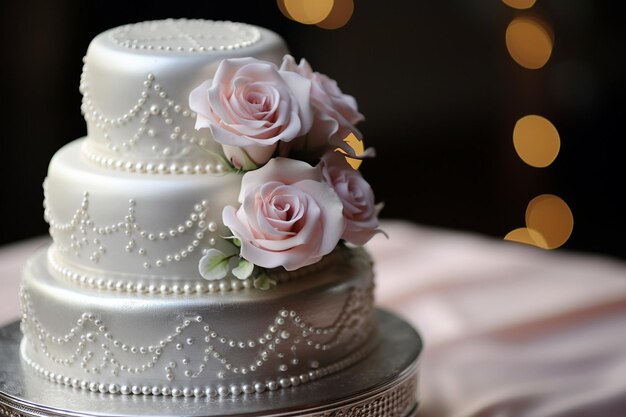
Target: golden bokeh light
{"type": "Point", "coordinates": [339, 15]}
{"type": "Point", "coordinates": [359, 148]}
{"type": "Point", "coordinates": [309, 12]}
{"type": "Point", "coordinates": [527, 236]}
{"type": "Point", "coordinates": [283, 9]}
{"type": "Point", "coordinates": [550, 216]}
{"type": "Point", "coordinates": [528, 42]}
{"type": "Point", "coordinates": [519, 4]}
{"type": "Point", "coordinates": [536, 140]}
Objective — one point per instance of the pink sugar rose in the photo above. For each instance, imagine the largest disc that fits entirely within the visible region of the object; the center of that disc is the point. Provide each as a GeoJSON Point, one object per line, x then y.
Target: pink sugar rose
{"type": "Point", "coordinates": [359, 209]}
{"type": "Point", "coordinates": [252, 105]}
{"type": "Point", "coordinates": [335, 113]}
{"type": "Point", "coordinates": [288, 217]}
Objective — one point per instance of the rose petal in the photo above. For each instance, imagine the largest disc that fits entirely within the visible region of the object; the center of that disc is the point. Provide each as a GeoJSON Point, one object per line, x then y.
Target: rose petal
{"type": "Point", "coordinates": [282, 170]}
{"type": "Point", "coordinates": [198, 102]}
{"type": "Point", "coordinates": [301, 88]}
{"type": "Point", "coordinates": [332, 219]}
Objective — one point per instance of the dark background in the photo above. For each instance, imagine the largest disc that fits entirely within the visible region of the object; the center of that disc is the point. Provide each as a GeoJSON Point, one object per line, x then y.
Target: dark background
{"type": "Point", "coordinates": [434, 79]}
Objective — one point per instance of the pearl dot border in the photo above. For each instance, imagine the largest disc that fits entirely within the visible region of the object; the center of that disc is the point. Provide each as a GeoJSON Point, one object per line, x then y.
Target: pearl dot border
{"type": "Point", "coordinates": [150, 287]}
{"type": "Point", "coordinates": [248, 35]}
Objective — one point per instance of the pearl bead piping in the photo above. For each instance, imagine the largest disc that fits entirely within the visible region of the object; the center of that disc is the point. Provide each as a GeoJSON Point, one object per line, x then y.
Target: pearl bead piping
{"type": "Point", "coordinates": [183, 35]}
{"type": "Point", "coordinates": [286, 331]}
{"type": "Point", "coordinates": [80, 226]}
{"type": "Point", "coordinates": [199, 391]}
{"type": "Point", "coordinates": [176, 142]}
{"type": "Point", "coordinates": [145, 167]}
{"type": "Point", "coordinates": [156, 286]}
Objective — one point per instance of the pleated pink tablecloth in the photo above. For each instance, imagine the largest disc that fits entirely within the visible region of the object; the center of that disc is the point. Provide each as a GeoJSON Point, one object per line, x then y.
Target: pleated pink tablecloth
{"type": "Point", "coordinates": [509, 330]}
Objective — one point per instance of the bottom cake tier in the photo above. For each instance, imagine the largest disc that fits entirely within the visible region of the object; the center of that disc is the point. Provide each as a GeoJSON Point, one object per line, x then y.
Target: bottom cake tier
{"type": "Point", "coordinates": [204, 344]}
{"type": "Point", "coordinates": [382, 385]}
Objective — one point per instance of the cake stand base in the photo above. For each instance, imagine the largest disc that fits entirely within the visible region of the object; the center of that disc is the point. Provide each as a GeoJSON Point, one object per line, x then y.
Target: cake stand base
{"type": "Point", "coordinates": [382, 385]}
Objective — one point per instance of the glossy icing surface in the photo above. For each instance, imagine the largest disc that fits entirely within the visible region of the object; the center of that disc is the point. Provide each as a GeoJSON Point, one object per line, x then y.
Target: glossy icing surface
{"type": "Point", "coordinates": [136, 82]}
{"type": "Point", "coordinates": [301, 330]}
{"type": "Point", "coordinates": [136, 226]}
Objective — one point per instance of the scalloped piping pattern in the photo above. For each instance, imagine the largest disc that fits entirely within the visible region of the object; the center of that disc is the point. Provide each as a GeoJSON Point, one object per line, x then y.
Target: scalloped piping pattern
{"type": "Point", "coordinates": [352, 327]}
{"type": "Point", "coordinates": [203, 391]}
{"type": "Point", "coordinates": [145, 109]}
{"type": "Point", "coordinates": [81, 224]}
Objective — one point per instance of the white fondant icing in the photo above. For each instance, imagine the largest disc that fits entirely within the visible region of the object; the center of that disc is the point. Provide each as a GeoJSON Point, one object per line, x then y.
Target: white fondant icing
{"type": "Point", "coordinates": [136, 82]}
{"type": "Point", "coordinates": [304, 327]}
{"type": "Point", "coordinates": [134, 227]}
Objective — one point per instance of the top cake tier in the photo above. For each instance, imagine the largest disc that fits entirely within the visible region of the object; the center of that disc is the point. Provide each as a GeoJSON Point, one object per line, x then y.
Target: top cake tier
{"type": "Point", "coordinates": [136, 83]}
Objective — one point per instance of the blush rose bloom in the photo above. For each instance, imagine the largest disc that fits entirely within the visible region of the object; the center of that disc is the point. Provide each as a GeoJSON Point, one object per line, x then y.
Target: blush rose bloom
{"type": "Point", "coordinates": [288, 216]}
{"type": "Point", "coordinates": [252, 105]}
{"type": "Point", "coordinates": [335, 113]}
{"type": "Point", "coordinates": [359, 209]}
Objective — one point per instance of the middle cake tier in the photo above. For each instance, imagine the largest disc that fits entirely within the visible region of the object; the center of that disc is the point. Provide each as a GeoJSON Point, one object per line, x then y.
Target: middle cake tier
{"type": "Point", "coordinates": [113, 228]}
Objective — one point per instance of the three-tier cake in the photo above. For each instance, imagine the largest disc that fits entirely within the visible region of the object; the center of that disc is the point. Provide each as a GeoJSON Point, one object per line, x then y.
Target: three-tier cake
{"type": "Point", "coordinates": [204, 230]}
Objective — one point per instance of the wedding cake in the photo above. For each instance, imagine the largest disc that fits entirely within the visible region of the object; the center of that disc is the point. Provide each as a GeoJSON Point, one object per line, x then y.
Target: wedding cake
{"type": "Point", "coordinates": [206, 231]}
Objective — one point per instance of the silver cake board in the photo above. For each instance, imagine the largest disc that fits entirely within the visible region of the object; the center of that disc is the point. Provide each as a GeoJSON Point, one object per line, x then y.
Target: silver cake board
{"type": "Point", "coordinates": [384, 384]}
